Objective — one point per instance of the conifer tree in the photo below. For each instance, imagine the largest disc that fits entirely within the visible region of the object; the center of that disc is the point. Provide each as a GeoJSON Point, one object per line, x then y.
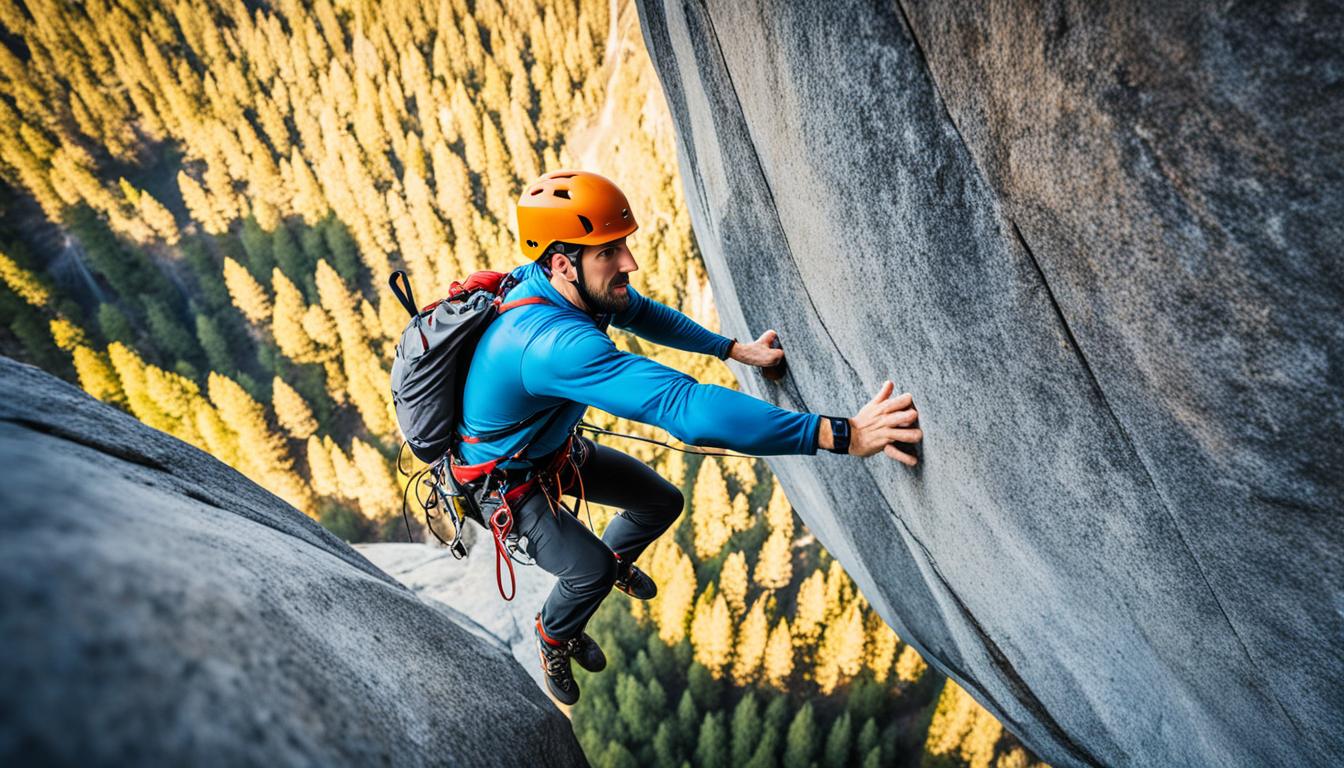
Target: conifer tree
{"type": "Point", "coordinates": [266, 458]}
{"type": "Point", "coordinates": [378, 492]}
{"type": "Point", "coordinates": [774, 567]}
{"type": "Point", "coordinates": [800, 746]}
{"type": "Point", "coordinates": [746, 729]}
{"type": "Point", "coordinates": [114, 325]}
{"type": "Point", "coordinates": [778, 663]}
{"type": "Point", "coordinates": [688, 719]}
{"type": "Point", "coordinates": [839, 590]}
{"type": "Point", "coordinates": [711, 748]}
{"type": "Point", "coordinates": [291, 410]}
{"type": "Point", "coordinates": [811, 610]}
{"type": "Point", "coordinates": [882, 643]}
{"type": "Point", "coordinates": [287, 316]}
{"type": "Point", "coordinates": [25, 284]}
{"type": "Point", "coordinates": [910, 666]}
{"type": "Point", "coordinates": [710, 511]}
{"type": "Point", "coordinates": [752, 639]}
{"type": "Point", "coordinates": [672, 607]}
{"type": "Point", "coordinates": [733, 583]}
{"type": "Point", "coordinates": [666, 753]}
{"type": "Point", "coordinates": [247, 294]}
{"type": "Point", "coordinates": [96, 375]}
{"type": "Point", "coordinates": [838, 743]}
{"type": "Point", "coordinates": [66, 334]}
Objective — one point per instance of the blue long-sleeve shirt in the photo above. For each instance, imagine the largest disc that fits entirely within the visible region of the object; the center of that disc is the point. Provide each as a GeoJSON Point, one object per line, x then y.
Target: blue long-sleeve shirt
{"type": "Point", "coordinates": [540, 357]}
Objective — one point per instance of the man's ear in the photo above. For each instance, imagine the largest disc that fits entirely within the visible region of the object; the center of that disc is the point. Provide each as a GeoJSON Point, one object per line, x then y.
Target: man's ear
{"type": "Point", "coordinates": [562, 265]}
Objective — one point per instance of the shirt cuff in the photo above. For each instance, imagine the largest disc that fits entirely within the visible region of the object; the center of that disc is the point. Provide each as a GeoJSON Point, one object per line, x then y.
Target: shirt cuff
{"type": "Point", "coordinates": [726, 346]}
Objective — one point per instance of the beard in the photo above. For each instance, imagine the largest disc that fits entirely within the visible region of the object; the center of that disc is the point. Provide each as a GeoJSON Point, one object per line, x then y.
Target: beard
{"type": "Point", "coordinates": [607, 300]}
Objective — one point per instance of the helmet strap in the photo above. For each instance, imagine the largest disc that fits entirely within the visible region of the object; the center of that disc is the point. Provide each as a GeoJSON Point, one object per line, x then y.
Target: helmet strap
{"type": "Point", "coordinates": [583, 289]}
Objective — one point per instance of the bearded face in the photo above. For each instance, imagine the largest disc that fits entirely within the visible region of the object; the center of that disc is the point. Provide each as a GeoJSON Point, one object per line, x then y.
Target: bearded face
{"type": "Point", "coordinates": [611, 297]}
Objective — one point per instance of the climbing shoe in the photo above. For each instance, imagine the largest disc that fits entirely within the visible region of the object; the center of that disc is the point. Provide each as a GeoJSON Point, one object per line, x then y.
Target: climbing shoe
{"type": "Point", "coordinates": [637, 584]}
{"type": "Point", "coordinates": [585, 650]}
{"type": "Point", "coordinates": [555, 666]}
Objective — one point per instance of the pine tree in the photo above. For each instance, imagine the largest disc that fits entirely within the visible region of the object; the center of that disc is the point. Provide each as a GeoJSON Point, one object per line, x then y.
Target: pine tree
{"type": "Point", "coordinates": [733, 583]}
{"type": "Point", "coordinates": [774, 567]}
{"type": "Point", "coordinates": [114, 325]}
{"type": "Point", "coordinates": [841, 653]}
{"type": "Point", "coordinates": [712, 632]}
{"type": "Point", "coordinates": [631, 704]}
{"type": "Point", "coordinates": [711, 749]}
{"type": "Point", "coordinates": [710, 511]}
{"type": "Point", "coordinates": [963, 729]}
{"type": "Point", "coordinates": [291, 410]}
{"type": "Point", "coordinates": [838, 742]}
{"type": "Point", "coordinates": [867, 741]}
{"type": "Point", "coordinates": [688, 719]}
{"type": "Point", "coordinates": [800, 746]}
{"type": "Point", "coordinates": [839, 590]}
{"type": "Point", "coordinates": [215, 345]}
{"type": "Point", "coordinates": [882, 643]}
{"type": "Point", "coordinates": [746, 729]}
{"type": "Point", "coordinates": [26, 285]}
{"type": "Point", "coordinates": [811, 610]}
{"type": "Point", "coordinates": [778, 663]}
{"type": "Point", "coordinates": [378, 492]}
{"type": "Point", "coordinates": [910, 666]}
{"type": "Point", "coordinates": [266, 458]}
{"type": "Point", "coordinates": [66, 334]}
{"type": "Point", "coordinates": [287, 315]}
{"type": "Point", "coordinates": [666, 753]}
{"type": "Point", "coordinates": [247, 294]}
{"type": "Point", "coordinates": [96, 375]}
{"type": "Point", "coordinates": [671, 609]}
{"type": "Point", "coordinates": [752, 640]}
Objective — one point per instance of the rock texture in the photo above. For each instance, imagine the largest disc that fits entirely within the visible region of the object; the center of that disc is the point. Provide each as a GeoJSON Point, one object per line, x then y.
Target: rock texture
{"type": "Point", "coordinates": [1100, 243]}
{"type": "Point", "coordinates": [467, 588]}
{"type": "Point", "coordinates": [157, 608]}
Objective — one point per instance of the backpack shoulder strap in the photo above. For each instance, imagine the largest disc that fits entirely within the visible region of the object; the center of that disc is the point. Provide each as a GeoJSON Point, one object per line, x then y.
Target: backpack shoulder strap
{"type": "Point", "coordinates": [506, 306]}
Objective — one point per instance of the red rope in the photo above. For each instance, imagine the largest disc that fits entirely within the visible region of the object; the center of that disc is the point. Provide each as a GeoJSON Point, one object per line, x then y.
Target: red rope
{"type": "Point", "coordinates": [500, 524]}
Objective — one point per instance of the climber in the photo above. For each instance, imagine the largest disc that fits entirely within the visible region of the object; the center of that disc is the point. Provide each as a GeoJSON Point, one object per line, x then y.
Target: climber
{"type": "Point", "coordinates": [539, 367]}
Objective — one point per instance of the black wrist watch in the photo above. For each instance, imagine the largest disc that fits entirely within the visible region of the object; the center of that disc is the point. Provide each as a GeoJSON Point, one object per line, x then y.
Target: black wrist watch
{"type": "Point", "coordinates": [839, 434]}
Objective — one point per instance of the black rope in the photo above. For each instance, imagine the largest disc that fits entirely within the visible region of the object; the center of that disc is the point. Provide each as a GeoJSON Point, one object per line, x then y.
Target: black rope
{"type": "Point", "coordinates": [586, 427]}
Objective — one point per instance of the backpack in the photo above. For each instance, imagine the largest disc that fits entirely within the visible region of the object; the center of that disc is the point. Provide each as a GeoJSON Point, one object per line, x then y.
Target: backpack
{"type": "Point", "coordinates": [434, 353]}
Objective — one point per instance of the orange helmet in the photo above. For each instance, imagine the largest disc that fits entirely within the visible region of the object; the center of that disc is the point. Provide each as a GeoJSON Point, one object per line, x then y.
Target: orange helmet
{"type": "Point", "coordinates": [572, 207]}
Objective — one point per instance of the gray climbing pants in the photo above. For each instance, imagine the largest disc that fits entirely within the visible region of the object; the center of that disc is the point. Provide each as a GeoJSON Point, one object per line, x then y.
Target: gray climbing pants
{"type": "Point", "coordinates": [586, 565]}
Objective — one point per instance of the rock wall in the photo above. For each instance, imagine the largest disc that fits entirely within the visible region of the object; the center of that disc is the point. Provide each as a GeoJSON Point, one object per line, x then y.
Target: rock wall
{"type": "Point", "coordinates": [467, 588]}
{"type": "Point", "coordinates": [1100, 244]}
{"type": "Point", "coordinates": [157, 608]}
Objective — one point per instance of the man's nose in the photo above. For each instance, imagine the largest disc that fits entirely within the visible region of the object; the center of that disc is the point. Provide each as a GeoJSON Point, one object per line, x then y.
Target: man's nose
{"type": "Point", "coordinates": [627, 261]}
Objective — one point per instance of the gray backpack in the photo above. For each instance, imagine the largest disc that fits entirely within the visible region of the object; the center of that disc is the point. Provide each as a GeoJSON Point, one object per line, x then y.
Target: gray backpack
{"type": "Point", "coordinates": [430, 369]}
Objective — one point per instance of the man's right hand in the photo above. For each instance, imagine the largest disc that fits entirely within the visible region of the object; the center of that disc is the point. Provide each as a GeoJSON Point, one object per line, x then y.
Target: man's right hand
{"type": "Point", "coordinates": [884, 420]}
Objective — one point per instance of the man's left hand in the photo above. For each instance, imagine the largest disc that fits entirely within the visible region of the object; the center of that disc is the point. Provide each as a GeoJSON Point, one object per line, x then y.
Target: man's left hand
{"type": "Point", "coordinates": [760, 353]}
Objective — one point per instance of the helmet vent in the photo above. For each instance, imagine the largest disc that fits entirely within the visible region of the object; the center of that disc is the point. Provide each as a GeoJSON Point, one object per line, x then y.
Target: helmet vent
{"type": "Point", "coordinates": [587, 225]}
{"type": "Point", "coordinates": [563, 176]}
{"type": "Point", "coordinates": [561, 193]}
{"type": "Point", "coordinates": [536, 191]}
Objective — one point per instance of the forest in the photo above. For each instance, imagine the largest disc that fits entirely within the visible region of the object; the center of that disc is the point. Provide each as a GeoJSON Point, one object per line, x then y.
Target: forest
{"type": "Point", "coordinates": [200, 203]}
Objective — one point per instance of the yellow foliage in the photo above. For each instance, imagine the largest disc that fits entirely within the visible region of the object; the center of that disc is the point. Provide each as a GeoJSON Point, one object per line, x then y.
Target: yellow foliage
{"type": "Point", "coordinates": [778, 663]}
{"type": "Point", "coordinates": [910, 666]}
{"type": "Point", "coordinates": [23, 283]}
{"type": "Point", "coordinates": [247, 294]}
{"type": "Point", "coordinates": [733, 583]}
{"type": "Point", "coordinates": [751, 644]}
{"type": "Point", "coordinates": [291, 410]}
{"type": "Point", "coordinates": [963, 729]}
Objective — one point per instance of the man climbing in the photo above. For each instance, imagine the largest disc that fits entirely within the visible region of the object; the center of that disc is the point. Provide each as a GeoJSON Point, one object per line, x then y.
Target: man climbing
{"type": "Point", "coordinates": [547, 358]}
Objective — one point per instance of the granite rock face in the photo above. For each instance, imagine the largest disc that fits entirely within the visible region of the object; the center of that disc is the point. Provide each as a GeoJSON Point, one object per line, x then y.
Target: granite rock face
{"type": "Point", "coordinates": [158, 608]}
{"type": "Point", "coordinates": [468, 589]}
{"type": "Point", "coordinates": [1100, 244]}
